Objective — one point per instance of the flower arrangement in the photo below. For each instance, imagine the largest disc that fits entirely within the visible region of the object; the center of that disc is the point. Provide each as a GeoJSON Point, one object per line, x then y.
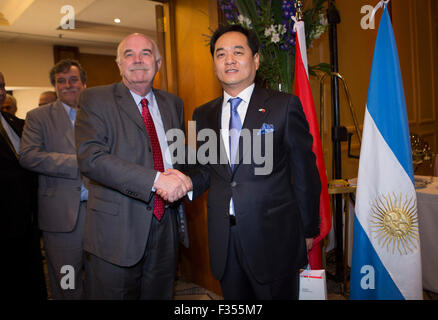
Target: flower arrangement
{"type": "Point", "coordinates": [272, 22]}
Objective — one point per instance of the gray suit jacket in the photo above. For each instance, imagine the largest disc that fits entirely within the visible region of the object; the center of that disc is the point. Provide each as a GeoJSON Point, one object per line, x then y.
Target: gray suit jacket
{"type": "Point", "coordinates": [115, 152]}
{"type": "Point", "coordinates": [47, 147]}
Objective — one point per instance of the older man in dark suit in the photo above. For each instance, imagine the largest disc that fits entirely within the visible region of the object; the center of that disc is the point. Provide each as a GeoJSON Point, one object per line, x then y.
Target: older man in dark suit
{"type": "Point", "coordinates": [131, 233]}
{"type": "Point", "coordinates": [260, 216]}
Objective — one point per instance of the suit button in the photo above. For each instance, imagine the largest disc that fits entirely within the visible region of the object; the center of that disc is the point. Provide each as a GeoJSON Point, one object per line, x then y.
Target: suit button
{"type": "Point", "coordinates": [149, 208]}
{"type": "Point", "coordinates": [233, 184]}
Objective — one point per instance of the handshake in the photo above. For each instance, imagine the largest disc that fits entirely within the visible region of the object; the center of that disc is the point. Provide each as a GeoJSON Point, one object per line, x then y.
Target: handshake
{"type": "Point", "coordinates": [172, 185]}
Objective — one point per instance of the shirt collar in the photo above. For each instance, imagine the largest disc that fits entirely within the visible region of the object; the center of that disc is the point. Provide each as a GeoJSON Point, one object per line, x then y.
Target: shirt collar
{"type": "Point", "coordinates": [66, 107]}
{"type": "Point", "coordinates": [245, 94]}
{"type": "Point", "coordinates": [138, 98]}
{"type": "Point", "coordinates": [68, 110]}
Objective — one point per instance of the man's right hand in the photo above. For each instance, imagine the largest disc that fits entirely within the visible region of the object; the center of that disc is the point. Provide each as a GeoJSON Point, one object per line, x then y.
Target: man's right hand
{"type": "Point", "coordinates": [172, 187]}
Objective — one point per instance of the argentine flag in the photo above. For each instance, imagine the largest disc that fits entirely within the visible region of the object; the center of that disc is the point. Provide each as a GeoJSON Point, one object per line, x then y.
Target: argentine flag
{"type": "Point", "coordinates": [386, 249]}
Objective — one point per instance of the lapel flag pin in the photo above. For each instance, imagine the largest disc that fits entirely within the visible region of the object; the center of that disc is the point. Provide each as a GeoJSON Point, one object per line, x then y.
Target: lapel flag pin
{"type": "Point", "coordinates": [262, 110]}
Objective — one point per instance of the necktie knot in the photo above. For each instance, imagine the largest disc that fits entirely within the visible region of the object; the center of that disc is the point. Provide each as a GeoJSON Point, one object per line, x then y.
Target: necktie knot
{"type": "Point", "coordinates": [234, 103]}
{"type": "Point", "coordinates": [144, 103]}
{"type": "Point", "coordinates": [72, 114]}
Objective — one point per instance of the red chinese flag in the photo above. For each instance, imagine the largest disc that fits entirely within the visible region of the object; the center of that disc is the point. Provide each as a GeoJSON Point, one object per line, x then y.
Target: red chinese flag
{"type": "Point", "coordinates": [302, 90]}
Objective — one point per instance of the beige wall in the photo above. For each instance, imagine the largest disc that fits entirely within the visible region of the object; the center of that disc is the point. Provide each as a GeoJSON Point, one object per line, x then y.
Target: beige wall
{"type": "Point", "coordinates": [417, 40]}
{"type": "Point", "coordinates": [27, 99]}
{"type": "Point", "coordinates": [25, 67]}
{"type": "Point", "coordinates": [26, 64]}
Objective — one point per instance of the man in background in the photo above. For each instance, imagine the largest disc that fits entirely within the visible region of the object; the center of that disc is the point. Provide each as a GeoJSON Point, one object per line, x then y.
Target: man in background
{"type": "Point", "coordinates": [10, 105]}
{"type": "Point", "coordinates": [23, 269]}
{"type": "Point", "coordinates": [47, 97]}
{"type": "Point", "coordinates": [48, 148]}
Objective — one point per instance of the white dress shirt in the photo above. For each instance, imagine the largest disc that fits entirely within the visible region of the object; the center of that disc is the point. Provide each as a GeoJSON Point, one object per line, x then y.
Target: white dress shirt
{"type": "Point", "coordinates": [242, 108]}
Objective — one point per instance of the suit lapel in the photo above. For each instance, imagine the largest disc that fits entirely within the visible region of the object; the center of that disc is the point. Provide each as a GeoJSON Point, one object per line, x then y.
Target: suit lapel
{"type": "Point", "coordinates": [215, 123]}
{"type": "Point", "coordinates": [63, 119]}
{"type": "Point", "coordinates": [223, 163]}
{"type": "Point", "coordinates": [126, 103]}
{"type": "Point", "coordinates": [257, 110]}
{"type": "Point", "coordinates": [255, 116]}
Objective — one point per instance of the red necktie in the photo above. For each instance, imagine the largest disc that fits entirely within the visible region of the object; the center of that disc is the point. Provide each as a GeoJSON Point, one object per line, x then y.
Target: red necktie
{"type": "Point", "coordinates": [156, 152]}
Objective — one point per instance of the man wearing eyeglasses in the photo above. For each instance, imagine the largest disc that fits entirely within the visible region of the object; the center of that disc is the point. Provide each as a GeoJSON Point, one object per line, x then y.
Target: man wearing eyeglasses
{"type": "Point", "coordinates": [48, 148]}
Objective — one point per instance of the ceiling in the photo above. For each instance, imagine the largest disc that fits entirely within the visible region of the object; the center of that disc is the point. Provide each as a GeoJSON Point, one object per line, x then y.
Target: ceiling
{"type": "Point", "coordinates": [47, 21]}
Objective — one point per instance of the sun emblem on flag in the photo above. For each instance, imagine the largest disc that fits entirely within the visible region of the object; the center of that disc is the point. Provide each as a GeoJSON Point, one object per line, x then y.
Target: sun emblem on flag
{"type": "Point", "coordinates": [395, 223]}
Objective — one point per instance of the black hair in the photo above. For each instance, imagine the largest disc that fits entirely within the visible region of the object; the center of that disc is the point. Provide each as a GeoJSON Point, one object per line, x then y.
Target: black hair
{"type": "Point", "coordinates": [250, 35]}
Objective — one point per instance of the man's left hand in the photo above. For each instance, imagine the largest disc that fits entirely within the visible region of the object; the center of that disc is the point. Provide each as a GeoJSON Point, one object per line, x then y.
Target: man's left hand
{"type": "Point", "coordinates": [309, 243]}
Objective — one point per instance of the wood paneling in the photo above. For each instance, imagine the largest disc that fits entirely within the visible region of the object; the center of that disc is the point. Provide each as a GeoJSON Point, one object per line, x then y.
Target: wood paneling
{"type": "Point", "coordinates": [197, 84]}
{"type": "Point", "coordinates": [101, 69]}
{"type": "Point", "coordinates": [416, 31]}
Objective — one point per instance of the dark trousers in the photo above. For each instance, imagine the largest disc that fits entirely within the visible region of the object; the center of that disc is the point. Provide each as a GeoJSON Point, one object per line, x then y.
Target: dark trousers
{"type": "Point", "coordinates": [23, 277]}
{"type": "Point", "coordinates": [152, 278]}
{"type": "Point", "coordinates": [239, 284]}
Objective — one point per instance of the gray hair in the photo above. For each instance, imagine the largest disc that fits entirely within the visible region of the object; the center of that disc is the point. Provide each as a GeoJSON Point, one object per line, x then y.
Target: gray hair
{"type": "Point", "coordinates": [154, 45]}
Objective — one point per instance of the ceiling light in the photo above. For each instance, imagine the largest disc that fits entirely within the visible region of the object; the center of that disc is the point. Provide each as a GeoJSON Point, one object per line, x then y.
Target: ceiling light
{"type": "Point", "coordinates": [116, 20]}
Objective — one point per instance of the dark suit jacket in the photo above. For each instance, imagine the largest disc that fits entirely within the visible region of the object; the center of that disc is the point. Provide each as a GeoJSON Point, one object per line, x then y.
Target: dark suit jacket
{"type": "Point", "coordinates": [18, 207]}
{"type": "Point", "coordinates": [17, 187]}
{"type": "Point", "coordinates": [274, 212]}
{"type": "Point", "coordinates": [115, 152]}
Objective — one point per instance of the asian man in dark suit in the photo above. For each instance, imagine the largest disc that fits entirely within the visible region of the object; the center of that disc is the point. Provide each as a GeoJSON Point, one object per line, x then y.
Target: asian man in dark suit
{"type": "Point", "coordinates": [260, 218]}
{"type": "Point", "coordinates": [131, 234]}
{"type": "Point", "coordinates": [23, 270]}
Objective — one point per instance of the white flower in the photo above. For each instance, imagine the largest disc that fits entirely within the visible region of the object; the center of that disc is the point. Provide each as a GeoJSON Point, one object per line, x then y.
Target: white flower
{"type": "Point", "coordinates": [281, 29]}
{"type": "Point", "coordinates": [323, 19]}
{"type": "Point", "coordinates": [244, 21]}
{"type": "Point", "coordinates": [316, 34]}
{"type": "Point", "coordinates": [269, 31]}
{"type": "Point", "coordinates": [275, 32]}
{"type": "Point", "coordinates": [275, 38]}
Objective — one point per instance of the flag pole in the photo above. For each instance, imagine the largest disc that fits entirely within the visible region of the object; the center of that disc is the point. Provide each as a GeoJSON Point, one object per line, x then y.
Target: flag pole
{"type": "Point", "coordinates": [339, 134]}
